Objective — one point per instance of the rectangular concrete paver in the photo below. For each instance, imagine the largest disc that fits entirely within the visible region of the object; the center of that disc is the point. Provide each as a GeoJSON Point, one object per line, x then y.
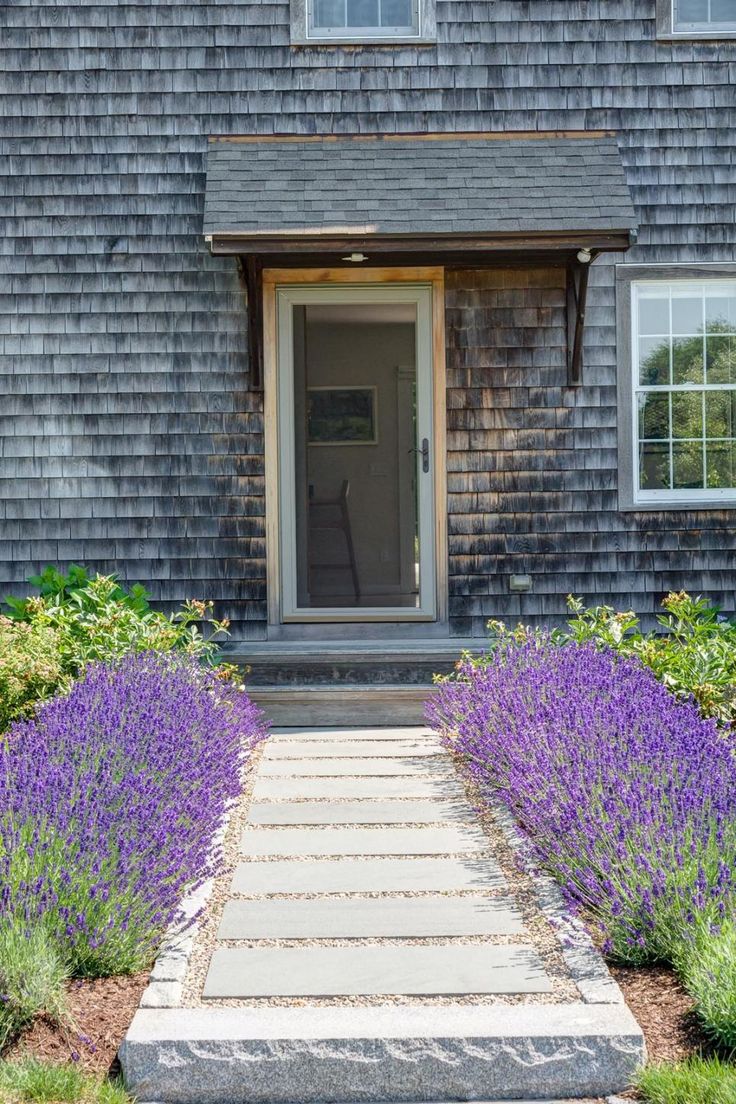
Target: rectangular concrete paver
{"type": "Point", "coordinates": [359, 812]}
{"type": "Point", "coordinates": [281, 789]}
{"type": "Point", "coordinates": [384, 917]}
{"type": "Point", "coordinates": [432, 840]}
{"type": "Point", "coordinates": [384, 969]}
{"type": "Point", "coordinates": [326, 749]}
{"type": "Point", "coordinates": [401, 733]}
{"type": "Point", "coordinates": [386, 875]}
{"type": "Point", "coordinates": [334, 768]}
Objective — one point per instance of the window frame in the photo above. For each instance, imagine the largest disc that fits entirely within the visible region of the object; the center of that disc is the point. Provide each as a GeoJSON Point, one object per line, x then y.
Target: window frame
{"type": "Point", "coordinates": [304, 34]}
{"type": "Point", "coordinates": [630, 495]}
{"type": "Point", "coordinates": [668, 30]}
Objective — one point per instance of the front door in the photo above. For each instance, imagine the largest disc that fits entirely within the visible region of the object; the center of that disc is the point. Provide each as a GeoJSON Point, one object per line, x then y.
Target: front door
{"type": "Point", "coordinates": [356, 453]}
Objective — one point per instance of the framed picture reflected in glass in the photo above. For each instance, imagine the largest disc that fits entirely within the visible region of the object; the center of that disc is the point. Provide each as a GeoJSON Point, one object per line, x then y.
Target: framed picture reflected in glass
{"type": "Point", "coordinates": [342, 416]}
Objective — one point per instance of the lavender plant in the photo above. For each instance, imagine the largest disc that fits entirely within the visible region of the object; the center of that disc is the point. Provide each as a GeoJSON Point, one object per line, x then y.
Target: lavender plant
{"type": "Point", "coordinates": [626, 793]}
{"type": "Point", "coordinates": [108, 803]}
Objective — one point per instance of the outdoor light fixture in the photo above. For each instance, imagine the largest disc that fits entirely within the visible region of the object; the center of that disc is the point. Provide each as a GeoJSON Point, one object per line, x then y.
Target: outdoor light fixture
{"type": "Point", "coordinates": [584, 256]}
{"type": "Point", "coordinates": [355, 258]}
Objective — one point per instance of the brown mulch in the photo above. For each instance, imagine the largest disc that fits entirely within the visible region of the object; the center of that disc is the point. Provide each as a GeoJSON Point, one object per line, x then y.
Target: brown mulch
{"type": "Point", "coordinates": [664, 1011]}
{"type": "Point", "coordinates": [100, 1011]}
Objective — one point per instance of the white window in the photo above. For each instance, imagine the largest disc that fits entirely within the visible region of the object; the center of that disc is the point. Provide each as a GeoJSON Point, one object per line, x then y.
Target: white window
{"type": "Point", "coordinates": [703, 16]}
{"type": "Point", "coordinates": [380, 22]}
{"type": "Point", "coordinates": [363, 18]}
{"type": "Point", "coordinates": [684, 389]}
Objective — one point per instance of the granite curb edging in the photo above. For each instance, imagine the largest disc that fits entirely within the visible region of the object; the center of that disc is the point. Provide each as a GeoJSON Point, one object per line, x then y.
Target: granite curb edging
{"type": "Point", "coordinates": [587, 967]}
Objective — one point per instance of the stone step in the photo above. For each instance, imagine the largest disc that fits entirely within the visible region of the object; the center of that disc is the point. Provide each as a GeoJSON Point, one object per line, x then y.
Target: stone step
{"type": "Point", "coordinates": [371, 917]}
{"type": "Point", "coordinates": [237, 973]}
{"type": "Point", "coordinates": [439, 766]}
{"type": "Point", "coordinates": [359, 812]}
{"type": "Point", "coordinates": [380, 875]}
{"type": "Point", "coordinates": [318, 1055]}
{"type": "Point", "coordinates": [294, 842]}
{"type": "Point", "coordinates": [315, 749]}
{"type": "Point", "coordinates": [430, 786]}
{"type": "Point", "coordinates": [342, 704]}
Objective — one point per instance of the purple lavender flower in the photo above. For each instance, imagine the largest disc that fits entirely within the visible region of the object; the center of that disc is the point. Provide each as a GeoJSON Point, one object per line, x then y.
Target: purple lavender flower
{"type": "Point", "coordinates": [109, 801]}
{"type": "Point", "coordinates": [624, 791]}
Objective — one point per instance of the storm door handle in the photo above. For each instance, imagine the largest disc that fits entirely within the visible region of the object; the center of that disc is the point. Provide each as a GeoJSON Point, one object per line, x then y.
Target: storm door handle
{"type": "Point", "coordinates": [424, 450]}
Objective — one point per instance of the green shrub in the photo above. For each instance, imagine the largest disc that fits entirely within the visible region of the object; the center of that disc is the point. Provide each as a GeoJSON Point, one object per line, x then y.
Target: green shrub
{"type": "Point", "coordinates": [30, 668]}
{"type": "Point", "coordinates": [694, 653]}
{"type": "Point", "coordinates": [31, 980]}
{"type": "Point", "coordinates": [33, 1082]}
{"type": "Point", "coordinates": [696, 1081]}
{"type": "Point", "coordinates": [708, 969]}
{"type": "Point", "coordinates": [95, 618]}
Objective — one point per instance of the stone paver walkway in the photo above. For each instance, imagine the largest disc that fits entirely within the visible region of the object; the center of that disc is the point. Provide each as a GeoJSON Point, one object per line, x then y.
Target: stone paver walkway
{"type": "Point", "coordinates": [361, 812]}
{"type": "Point", "coordinates": [373, 941]}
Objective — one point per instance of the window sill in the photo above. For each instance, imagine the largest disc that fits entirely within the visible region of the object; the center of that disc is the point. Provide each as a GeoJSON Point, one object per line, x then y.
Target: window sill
{"type": "Point", "coordinates": [691, 505]}
{"type": "Point", "coordinates": [354, 40]}
{"type": "Point", "coordinates": [697, 36]}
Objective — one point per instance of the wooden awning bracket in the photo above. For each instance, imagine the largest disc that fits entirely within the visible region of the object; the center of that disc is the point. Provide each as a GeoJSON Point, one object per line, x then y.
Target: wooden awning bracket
{"type": "Point", "coordinates": [250, 272]}
{"type": "Point", "coordinates": [577, 295]}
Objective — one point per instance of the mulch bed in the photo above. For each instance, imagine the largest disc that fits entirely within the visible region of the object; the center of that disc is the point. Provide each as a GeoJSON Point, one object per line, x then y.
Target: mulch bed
{"type": "Point", "coordinates": [100, 1011]}
{"type": "Point", "coordinates": [664, 1011]}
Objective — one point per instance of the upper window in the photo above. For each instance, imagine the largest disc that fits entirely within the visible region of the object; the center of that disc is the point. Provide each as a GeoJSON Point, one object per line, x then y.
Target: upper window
{"type": "Point", "coordinates": [684, 387]}
{"type": "Point", "coordinates": [381, 22]}
{"type": "Point", "coordinates": [367, 18]}
{"type": "Point", "coordinates": [710, 17]}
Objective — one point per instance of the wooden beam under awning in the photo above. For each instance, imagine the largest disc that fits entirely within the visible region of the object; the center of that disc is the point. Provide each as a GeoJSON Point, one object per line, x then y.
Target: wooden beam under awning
{"type": "Point", "coordinates": [254, 252]}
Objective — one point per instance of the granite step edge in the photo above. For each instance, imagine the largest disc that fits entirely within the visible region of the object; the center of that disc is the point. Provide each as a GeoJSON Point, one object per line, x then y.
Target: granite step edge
{"type": "Point", "coordinates": [405, 1054]}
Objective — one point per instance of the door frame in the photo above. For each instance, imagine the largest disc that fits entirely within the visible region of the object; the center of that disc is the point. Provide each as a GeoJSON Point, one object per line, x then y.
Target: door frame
{"type": "Point", "coordinates": [273, 279]}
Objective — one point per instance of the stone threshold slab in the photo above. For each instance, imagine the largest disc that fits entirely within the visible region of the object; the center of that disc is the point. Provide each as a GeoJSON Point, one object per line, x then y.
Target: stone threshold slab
{"type": "Point", "coordinates": [429, 766]}
{"type": "Point", "coordinates": [373, 917]}
{"type": "Point", "coordinates": [281, 789]}
{"type": "Point", "coordinates": [326, 749]}
{"type": "Point", "coordinates": [386, 1053]}
{"type": "Point", "coordinates": [360, 812]}
{"type": "Point", "coordinates": [366, 875]}
{"type": "Point", "coordinates": [375, 970]}
{"type": "Point", "coordinates": [291, 842]}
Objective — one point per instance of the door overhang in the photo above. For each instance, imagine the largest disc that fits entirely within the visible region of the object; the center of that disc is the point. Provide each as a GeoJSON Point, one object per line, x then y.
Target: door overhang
{"type": "Point", "coordinates": [456, 200]}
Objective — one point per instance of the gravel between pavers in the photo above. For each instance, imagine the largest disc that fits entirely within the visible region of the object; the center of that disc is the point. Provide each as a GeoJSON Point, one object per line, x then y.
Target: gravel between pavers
{"type": "Point", "coordinates": [520, 888]}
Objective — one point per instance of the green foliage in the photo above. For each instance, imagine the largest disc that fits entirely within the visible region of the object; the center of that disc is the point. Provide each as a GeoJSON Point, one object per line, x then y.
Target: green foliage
{"type": "Point", "coordinates": [30, 668]}
{"type": "Point", "coordinates": [96, 618]}
{"type": "Point", "coordinates": [695, 654]}
{"type": "Point", "coordinates": [696, 1081]}
{"type": "Point", "coordinates": [33, 1082]}
{"type": "Point", "coordinates": [707, 966]}
{"type": "Point", "coordinates": [31, 980]}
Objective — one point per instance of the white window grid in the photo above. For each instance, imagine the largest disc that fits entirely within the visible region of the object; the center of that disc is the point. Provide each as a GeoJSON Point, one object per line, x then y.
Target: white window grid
{"type": "Point", "coordinates": [348, 30]}
{"type": "Point", "coordinates": [708, 25]}
{"type": "Point", "coordinates": [643, 495]}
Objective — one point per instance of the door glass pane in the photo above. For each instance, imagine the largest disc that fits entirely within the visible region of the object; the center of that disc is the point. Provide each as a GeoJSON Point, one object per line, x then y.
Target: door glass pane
{"type": "Point", "coordinates": [356, 465]}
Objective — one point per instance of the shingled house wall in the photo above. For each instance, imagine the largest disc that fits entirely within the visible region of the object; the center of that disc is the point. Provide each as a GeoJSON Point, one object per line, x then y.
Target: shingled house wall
{"type": "Point", "coordinates": [129, 438]}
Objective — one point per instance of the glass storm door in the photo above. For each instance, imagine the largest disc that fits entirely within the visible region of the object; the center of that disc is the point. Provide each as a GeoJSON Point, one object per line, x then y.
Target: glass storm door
{"type": "Point", "coordinates": [356, 453]}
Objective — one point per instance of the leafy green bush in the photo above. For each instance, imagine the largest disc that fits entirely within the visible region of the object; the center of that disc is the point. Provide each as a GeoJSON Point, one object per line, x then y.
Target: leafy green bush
{"type": "Point", "coordinates": [95, 618]}
{"type": "Point", "coordinates": [694, 653]}
{"type": "Point", "coordinates": [31, 979]}
{"type": "Point", "coordinates": [30, 668]}
{"type": "Point", "coordinates": [696, 1081]}
{"type": "Point", "coordinates": [708, 970]}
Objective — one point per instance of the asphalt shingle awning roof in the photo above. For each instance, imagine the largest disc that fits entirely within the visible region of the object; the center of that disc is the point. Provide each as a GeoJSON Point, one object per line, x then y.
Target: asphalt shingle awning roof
{"type": "Point", "coordinates": [419, 187]}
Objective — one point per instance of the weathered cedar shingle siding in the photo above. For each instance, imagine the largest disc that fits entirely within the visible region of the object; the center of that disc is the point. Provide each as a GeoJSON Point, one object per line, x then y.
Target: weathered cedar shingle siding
{"type": "Point", "coordinates": [129, 437]}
